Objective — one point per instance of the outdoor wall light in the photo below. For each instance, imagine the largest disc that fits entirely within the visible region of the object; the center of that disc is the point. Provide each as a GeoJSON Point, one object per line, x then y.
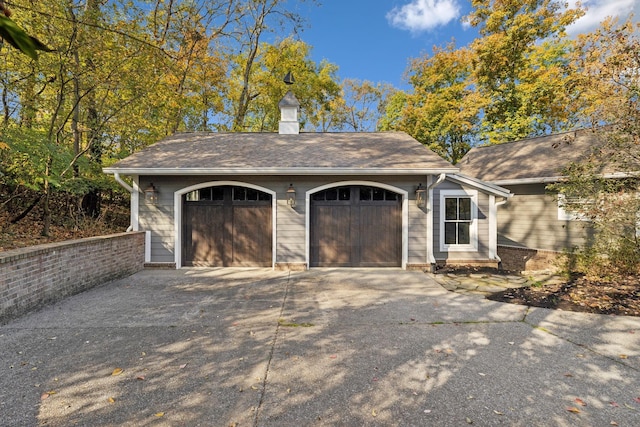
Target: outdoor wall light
{"type": "Point", "coordinates": [421, 199]}
{"type": "Point", "coordinates": [291, 196]}
{"type": "Point", "coordinates": [151, 194]}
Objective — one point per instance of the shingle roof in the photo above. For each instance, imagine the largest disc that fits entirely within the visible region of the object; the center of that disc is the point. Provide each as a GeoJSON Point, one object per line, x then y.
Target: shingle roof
{"type": "Point", "coordinates": [272, 153]}
{"type": "Point", "coordinates": [536, 159]}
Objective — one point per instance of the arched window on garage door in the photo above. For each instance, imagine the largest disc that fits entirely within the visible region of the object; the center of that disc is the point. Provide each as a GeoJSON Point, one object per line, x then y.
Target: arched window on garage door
{"type": "Point", "coordinates": [356, 226]}
{"type": "Point", "coordinates": [227, 226]}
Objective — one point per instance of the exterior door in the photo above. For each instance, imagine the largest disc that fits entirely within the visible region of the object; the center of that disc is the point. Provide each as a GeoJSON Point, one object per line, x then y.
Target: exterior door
{"type": "Point", "coordinates": [227, 226]}
{"type": "Point", "coordinates": [356, 226]}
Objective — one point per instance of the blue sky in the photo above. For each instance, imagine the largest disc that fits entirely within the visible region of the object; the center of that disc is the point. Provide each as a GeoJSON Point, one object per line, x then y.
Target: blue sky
{"type": "Point", "coordinates": [374, 39]}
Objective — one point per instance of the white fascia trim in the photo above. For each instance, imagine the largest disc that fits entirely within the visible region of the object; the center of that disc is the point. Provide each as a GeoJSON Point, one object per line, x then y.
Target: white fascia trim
{"type": "Point", "coordinates": [177, 215]}
{"type": "Point", "coordinates": [276, 171]}
{"type": "Point", "coordinates": [550, 179]}
{"type": "Point", "coordinates": [486, 187]}
{"type": "Point", "coordinates": [541, 180]}
{"type": "Point", "coordinates": [405, 214]}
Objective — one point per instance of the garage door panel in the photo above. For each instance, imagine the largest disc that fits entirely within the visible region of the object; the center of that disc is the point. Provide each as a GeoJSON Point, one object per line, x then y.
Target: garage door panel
{"type": "Point", "coordinates": [205, 226]}
{"type": "Point", "coordinates": [380, 235]}
{"type": "Point", "coordinates": [251, 241]}
{"type": "Point", "coordinates": [331, 240]}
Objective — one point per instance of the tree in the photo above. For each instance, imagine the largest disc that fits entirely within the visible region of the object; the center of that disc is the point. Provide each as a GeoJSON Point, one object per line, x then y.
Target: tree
{"type": "Point", "coordinates": [362, 105]}
{"type": "Point", "coordinates": [443, 110]}
{"type": "Point", "coordinates": [315, 85]}
{"type": "Point", "coordinates": [604, 187]}
{"type": "Point", "coordinates": [519, 66]}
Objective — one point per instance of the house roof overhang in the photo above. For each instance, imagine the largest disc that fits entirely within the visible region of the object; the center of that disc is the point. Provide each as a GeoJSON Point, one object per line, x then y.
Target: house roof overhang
{"type": "Point", "coordinates": [277, 171]}
{"type": "Point", "coordinates": [484, 186]}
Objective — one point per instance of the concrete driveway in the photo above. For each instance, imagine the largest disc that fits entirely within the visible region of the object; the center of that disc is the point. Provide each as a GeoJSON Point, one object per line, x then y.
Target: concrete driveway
{"type": "Point", "coordinates": [253, 347]}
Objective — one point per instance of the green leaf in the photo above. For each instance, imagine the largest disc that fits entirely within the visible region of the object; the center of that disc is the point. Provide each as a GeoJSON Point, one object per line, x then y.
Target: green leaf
{"type": "Point", "coordinates": [18, 38]}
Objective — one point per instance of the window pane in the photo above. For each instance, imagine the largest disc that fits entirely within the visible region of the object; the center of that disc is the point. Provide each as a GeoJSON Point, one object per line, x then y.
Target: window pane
{"type": "Point", "coordinates": [390, 195]}
{"type": "Point", "coordinates": [264, 196]}
{"type": "Point", "coordinates": [217, 193]}
{"type": "Point", "coordinates": [318, 196]}
{"type": "Point", "coordinates": [365, 193]}
{"type": "Point", "coordinates": [464, 238]}
{"type": "Point", "coordinates": [450, 233]}
{"type": "Point", "coordinates": [332, 194]}
{"type": "Point", "coordinates": [465, 209]}
{"type": "Point", "coordinates": [450, 209]}
{"type": "Point", "coordinates": [344, 193]}
{"type": "Point", "coordinates": [252, 194]}
{"type": "Point", "coordinates": [378, 194]}
{"type": "Point", "coordinates": [239, 193]}
{"type": "Point", "coordinates": [193, 196]}
{"type": "Point", "coordinates": [205, 194]}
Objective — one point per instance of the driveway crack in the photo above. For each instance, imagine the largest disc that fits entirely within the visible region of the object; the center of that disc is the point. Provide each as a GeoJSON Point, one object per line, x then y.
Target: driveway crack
{"type": "Point", "coordinates": [271, 352]}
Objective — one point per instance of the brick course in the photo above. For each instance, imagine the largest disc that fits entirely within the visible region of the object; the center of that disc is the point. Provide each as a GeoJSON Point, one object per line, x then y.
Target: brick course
{"type": "Point", "coordinates": [527, 259]}
{"type": "Point", "coordinates": [39, 275]}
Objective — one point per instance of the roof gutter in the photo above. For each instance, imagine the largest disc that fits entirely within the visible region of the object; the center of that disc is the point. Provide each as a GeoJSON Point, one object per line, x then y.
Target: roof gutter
{"type": "Point", "coordinates": [277, 171]}
{"type": "Point", "coordinates": [116, 176]}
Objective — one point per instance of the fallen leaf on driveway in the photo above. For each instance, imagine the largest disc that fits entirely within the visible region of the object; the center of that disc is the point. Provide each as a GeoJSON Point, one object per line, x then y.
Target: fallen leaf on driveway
{"type": "Point", "coordinates": [117, 371]}
{"type": "Point", "coordinates": [498, 412]}
{"type": "Point", "coordinates": [183, 366]}
{"type": "Point", "coordinates": [333, 356]}
{"type": "Point", "coordinates": [637, 399]}
{"type": "Point", "coordinates": [614, 404]}
{"type": "Point", "coordinates": [624, 356]}
{"type": "Point", "coordinates": [580, 402]}
{"type": "Point", "coordinates": [159, 414]}
{"type": "Point", "coordinates": [613, 423]}
{"type": "Point", "coordinates": [111, 400]}
{"type": "Point", "coordinates": [573, 409]}
{"type": "Point", "coordinates": [374, 413]}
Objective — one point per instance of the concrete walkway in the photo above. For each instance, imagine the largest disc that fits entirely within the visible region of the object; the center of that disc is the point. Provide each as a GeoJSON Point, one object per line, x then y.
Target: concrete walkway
{"type": "Point", "coordinates": [230, 347]}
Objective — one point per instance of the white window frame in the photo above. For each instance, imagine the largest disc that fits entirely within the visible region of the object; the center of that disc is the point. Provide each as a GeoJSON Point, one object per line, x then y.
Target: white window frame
{"type": "Point", "coordinates": [564, 215]}
{"type": "Point", "coordinates": [473, 228]}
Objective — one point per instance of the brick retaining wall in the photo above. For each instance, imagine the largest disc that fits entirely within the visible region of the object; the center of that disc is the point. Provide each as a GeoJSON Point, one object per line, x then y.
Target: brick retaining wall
{"type": "Point", "coordinates": [527, 259]}
{"type": "Point", "coordinates": [38, 275]}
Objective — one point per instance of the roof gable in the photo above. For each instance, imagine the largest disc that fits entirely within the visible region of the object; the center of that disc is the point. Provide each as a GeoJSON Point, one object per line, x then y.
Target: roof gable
{"type": "Point", "coordinates": [273, 153]}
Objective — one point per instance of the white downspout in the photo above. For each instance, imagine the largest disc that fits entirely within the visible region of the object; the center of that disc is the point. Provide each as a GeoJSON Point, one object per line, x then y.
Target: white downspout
{"type": "Point", "coordinates": [493, 230]}
{"type": "Point", "coordinates": [127, 187]}
{"type": "Point", "coordinates": [432, 258]}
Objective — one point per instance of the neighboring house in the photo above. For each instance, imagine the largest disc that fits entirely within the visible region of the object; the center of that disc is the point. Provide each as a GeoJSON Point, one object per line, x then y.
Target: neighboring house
{"type": "Point", "coordinates": [534, 218]}
{"type": "Point", "coordinates": [292, 200]}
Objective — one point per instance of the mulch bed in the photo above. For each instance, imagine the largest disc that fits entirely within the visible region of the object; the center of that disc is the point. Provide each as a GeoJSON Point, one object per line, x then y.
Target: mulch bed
{"type": "Point", "coordinates": [578, 293]}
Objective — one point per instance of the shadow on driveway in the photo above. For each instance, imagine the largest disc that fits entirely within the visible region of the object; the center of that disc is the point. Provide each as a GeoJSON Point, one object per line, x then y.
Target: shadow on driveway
{"type": "Point", "coordinates": [254, 347]}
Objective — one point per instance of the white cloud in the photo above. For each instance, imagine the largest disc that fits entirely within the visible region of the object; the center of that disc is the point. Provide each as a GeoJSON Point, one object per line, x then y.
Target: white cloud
{"type": "Point", "coordinates": [424, 15]}
{"type": "Point", "coordinates": [598, 10]}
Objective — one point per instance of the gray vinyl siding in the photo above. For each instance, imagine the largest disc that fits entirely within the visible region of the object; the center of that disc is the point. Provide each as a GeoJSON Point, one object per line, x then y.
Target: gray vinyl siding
{"type": "Point", "coordinates": [290, 223]}
{"type": "Point", "coordinates": [483, 226]}
{"type": "Point", "coordinates": [530, 219]}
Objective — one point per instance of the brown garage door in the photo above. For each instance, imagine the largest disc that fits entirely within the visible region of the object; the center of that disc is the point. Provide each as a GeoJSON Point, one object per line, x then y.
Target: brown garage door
{"type": "Point", "coordinates": [356, 226]}
{"type": "Point", "coordinates": [227, 226]}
